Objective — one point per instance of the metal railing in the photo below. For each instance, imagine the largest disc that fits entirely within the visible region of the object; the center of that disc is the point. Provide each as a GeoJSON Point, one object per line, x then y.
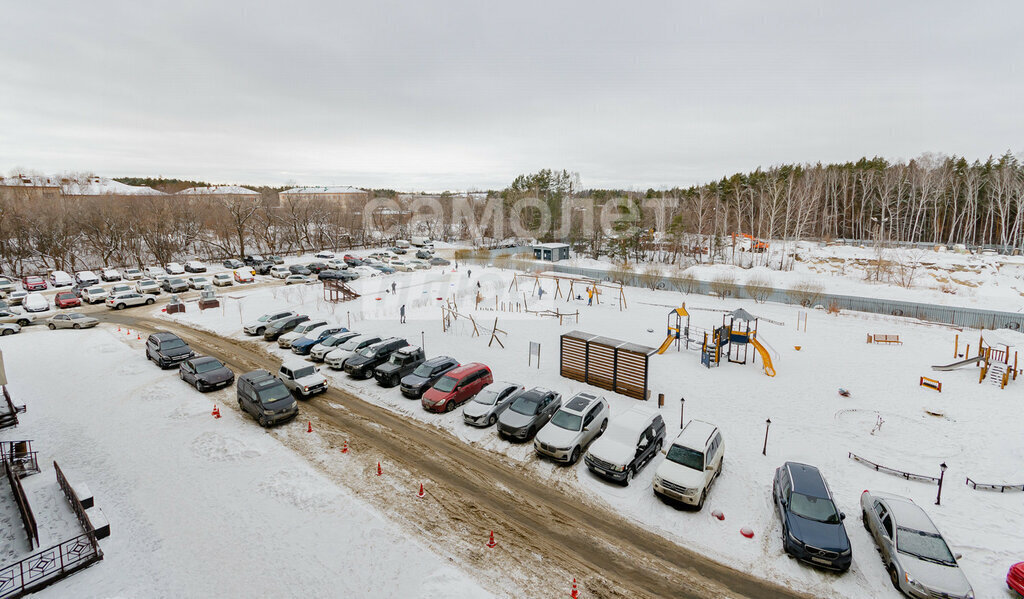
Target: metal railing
{"type": "Point", "coordinates": [19, 457]}
{"type": "Point", "coordinates": [893, 471]}
{"type": "Point", "coordinates": [27, 518]}
{"type": "Point", "coordinates": [989, 487]}
{"type": "Point", "coordinates": [76, 503]}
{"type": "Point", "coordinates": [49, 565]}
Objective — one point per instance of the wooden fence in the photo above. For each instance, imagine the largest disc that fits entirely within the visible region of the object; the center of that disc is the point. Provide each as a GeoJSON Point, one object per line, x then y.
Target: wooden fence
{"type": "Point", "coordinates": [607, 363]}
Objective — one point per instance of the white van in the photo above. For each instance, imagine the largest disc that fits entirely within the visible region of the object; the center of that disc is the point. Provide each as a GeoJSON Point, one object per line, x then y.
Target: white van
{"type": "Point", "coordinates": [421, 242]}
{"type": "Point", "coordinates": [402, 243]}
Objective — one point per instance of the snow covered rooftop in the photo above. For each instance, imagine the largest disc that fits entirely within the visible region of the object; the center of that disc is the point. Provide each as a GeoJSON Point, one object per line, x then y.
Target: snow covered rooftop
{"type": "Point", "coordinates": [219, 190]}
{"type": "Point", "coordinates": [87, 186]}
{"type": "Point", "coordinates": [325, 189]}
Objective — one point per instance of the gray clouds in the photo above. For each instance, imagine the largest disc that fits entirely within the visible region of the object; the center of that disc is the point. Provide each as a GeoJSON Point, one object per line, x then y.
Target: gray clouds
{"type": "Point", "coordinates": [469, 94]}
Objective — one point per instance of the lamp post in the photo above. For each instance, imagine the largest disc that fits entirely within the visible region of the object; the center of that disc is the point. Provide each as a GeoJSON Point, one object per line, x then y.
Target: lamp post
{"type": "Point", "coordinates": [767, 424]}
{"type": "Point", "coordinates": [682, 407]}
{"type": "Point", "coordinates": [942, 475]}
{"type": "Point", "coordinates": [423, 341]}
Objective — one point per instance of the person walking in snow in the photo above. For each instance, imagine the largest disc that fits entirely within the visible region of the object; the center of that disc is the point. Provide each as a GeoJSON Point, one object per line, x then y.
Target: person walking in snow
{"type": "Point", "coordinates": [540, 293]}
{"type": "Point", "coordinates": [590, 296]}
{"type": "Point", "coordinates": [401, 312]}
{"type": "Point", "coordinates": [392, 286]}
{"type": "Point", "coordinates": [469, 273]}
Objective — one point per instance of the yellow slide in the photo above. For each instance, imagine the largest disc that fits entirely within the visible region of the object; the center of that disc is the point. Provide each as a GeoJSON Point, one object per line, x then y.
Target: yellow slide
{"type": "Point", "coordinates": [668, 342]}
{"type": "Point", "coordinates": [765, 358]}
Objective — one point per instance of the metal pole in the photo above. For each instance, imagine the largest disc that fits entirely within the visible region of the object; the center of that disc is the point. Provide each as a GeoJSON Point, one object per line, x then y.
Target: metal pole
{"type": "Point", "coordinates": [942, 475]}
{"type": "Point", "coordinates": [682, 408]}
{"type": "Point", "coordinates": [767, 424]}
{"type": "Point", "coordinates": [423, 342]}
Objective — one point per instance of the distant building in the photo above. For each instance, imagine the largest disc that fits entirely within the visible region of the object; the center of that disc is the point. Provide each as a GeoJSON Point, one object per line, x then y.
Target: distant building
{"type": "Point", "coordinates": [46, 187]}
{"type": "Point", "coordinates": [226, 192]}
{"type": "Point", "coordinates": [552, 252]}
{"type": "Point", "coordinates": [342, 194]}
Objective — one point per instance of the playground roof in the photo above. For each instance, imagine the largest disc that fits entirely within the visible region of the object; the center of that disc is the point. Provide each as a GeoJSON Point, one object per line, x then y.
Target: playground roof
{"type": "Point", "coordinates": [743, 315]}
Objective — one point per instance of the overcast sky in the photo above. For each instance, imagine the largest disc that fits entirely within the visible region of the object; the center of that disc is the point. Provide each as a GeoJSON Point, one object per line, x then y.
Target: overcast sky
{"type": "Point", "coordinates": [457, 95]}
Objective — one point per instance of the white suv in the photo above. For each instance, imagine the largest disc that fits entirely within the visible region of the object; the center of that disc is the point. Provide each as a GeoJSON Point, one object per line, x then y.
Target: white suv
{"type": "Point", "coordinates": [578, 422]}
{"type": "Point", "coordinates": [302, 377]}
{"type": "Point", "coordinates": [258, 326]}
{"type": "Point", "coordinates": [694, 462]}
{"type": "Point", "coordinates": [280, 272]}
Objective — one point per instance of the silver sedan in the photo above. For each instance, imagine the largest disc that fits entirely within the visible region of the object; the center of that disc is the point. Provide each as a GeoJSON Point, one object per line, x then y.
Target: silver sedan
{"type": "Point", "coordinates": [489, 403]}
{"type": "Point", "coordinates": [919, 562]}
{"type": "Point", "coordinates": [71, 320]}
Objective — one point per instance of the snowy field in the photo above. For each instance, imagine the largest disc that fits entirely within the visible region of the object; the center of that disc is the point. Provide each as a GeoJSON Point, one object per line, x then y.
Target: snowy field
{"type": "Point", "coordinates": [811, 422]}
{"type": "Point", "coordinates": [198, 507]}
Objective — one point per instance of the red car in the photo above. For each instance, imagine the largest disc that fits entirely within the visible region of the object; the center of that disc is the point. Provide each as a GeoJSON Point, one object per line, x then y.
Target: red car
{"type": "Point", "coordinates": [33, 283]}
{"type": "Point", "coordinates": [67, 299]}
{"type": "Point", "coordinates": [1015, 578]}
{"type": "Point", "coordinates": [456, 387]}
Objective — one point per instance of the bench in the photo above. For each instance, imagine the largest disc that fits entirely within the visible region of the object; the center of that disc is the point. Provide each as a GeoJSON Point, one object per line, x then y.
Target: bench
{"type": "Point", "coordinates": [99, 522]}
{"type": "Point", "coordinates": [894, 339]}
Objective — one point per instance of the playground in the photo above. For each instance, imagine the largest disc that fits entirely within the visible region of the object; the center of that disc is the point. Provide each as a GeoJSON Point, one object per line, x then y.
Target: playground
{"type": "Point", "coordinates": [737, 364]}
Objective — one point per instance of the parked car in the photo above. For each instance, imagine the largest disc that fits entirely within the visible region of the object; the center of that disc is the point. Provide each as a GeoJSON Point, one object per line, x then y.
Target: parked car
{"type": "Point", "coordinates": [265, 398]}
{"type": "Point", "coordinates": [35, 302]}
{"type": "Point", "coordinates": [305, 343]}
{"type": "Point", "coordinates": [318, 352]}
{"type": "Point", "coordinates": [913, 550]}
{"type": "Point", "coordinates": [424, 254]}
{"type": "Point", "coordinates": [59, 278]}
{"type": "Point", "coordinates": [167, 349]}
{"type": "Point", "coordinates": [262, 268]}
{"type": "Point", "coordinates": [396, 250]}
{"type": "Point", "coordinates": [195, 266]}
{"type": "Point", "coordinates": [94, 295]}
{"type": "Point", "coordinates": [276, 259]}
{"type": "Point", "coordinates": [120, 288]}
{"type": "Point", "coordinates": [415, 384]}
{"type": "Point", "coordinates": [337, 275]}
{"type": "Point", "coordinates": [402, 362]}
{"type": "Point", "coordinates": [489, 403]}
{"type": "Point", "coordinates": [439, 261]}
{"type": "Point", "coordinates": [152, 272]}
{"type": "Point", "coordinates": [1015, 578]}
{"type": "Point", "coordinates": [174, 268]}
{"type": "Point", "coordinates": [33, 283]}
{"type": "Point", "coordinates": [297, 280]}
{"type": "Point", "coordinates": [383, 268]}
{"type": "Point", "coordinates": [242, 275]}
{"type": "Point", "coordinates": [812, 526]}
{"type": "Point", "coordinates": [336, 357]}
{"type": "Point", "coordinates": [456, 387]}
{"type": "Point", "coordinates": [17, 298]}
{"type": "Point", "coordinates": [86, 277]}
{"type": "Point", "coordinates": [336, 264]}
{"type": "Point", "coordinates": [302, 378]}
{"type": "Point", "coordinates": [352, 261]}
{"type": "Point", "coordinates": [252, 259]}
{"type": "Point", "coordinates": [7, 285]}
{"type": "Point", "coordinates": [361, 364]}
{"type": "Point", "coordinates": [285, 341]}
{"type": "Point", "coordinates": [324, 254]}
{"type": "Point", "coordinates": [147, 286]}
{"type": "Point", "coordinates": [280, 272]}
{"type": "Point", "coordinates": [16, 318]}
{"type": "Point", "coordinates": [632, 440]}
{"type": "Point", "coordinates": [67, 299]}
{"type": "Point", "coordinates": [315, 267]}
{"type": "Point", "coordinates": [9, 328]}
{"type": "Point", "coordinates": [259, 326]}
{"type": "Point", "coordinates": [572, 428]}
{"type": "Point", "coordinates": [694, 461]}
{"type": "Point", "coordinates": [233, 264]}
{"type": "Point", "coordinates": [72, 320]}
{"type": "Point", "coordinates": [282, 326]}
{"type": "Point", "coordinates": [174, 285]}
{"type": "Point", "coordinates": [527, 413]}
{"type": "Point", "coordinates": [298, 269]}
{"type": "Point", "coordinates": [197, 282]}
{"type": "Point", "coordinates": [124, 300]}
{"type": "Point", "coordinates": [110, 275]}
{"type": "Point", "coordinates": [401, 266]}
{"type": "Point", "coordinates": [222, 279]}
{"type": "Point", "coordinates": [205, 373]}
{"type": "Point", "coordinates": [366, 271]}
{"type": "Point", "coordinates": [133, 274]}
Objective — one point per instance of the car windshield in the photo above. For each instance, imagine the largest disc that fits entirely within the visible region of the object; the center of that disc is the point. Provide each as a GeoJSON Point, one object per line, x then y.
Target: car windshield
{"type": "Point", "coordinates": [351, 344]}
{"type": "Point", "coordinates": [77, 316]}
{"type": "Point", "coordinates": [208, 366]}
{"type": "Point", "coordinates": [820, 509]}
{"type": "Point", "coordinates": [397, 358]}
{"type": "Point", "coordinates": [272, 394]}
{"type": "Point", "coordinates": [172, 344]}
{"type": "Point", "coordinates": [570, 422]}
{"type": "Point", "coordinates": [368, 352]}
{"type": "Point", "coordinates": [423, 370]}
{"type": "Point", "coordinates": [527, 404]}
{"type": "Point", "coordinates": [65, 295]}
{"type": "Point", "coordinates": [302, 372]}
{"type": "Point", "coordinates": [686, 457]}
{"type": "Point", "coordinates": [177, 282]}
{"type": "Point", "coordinates": [446, 384]}
{"type": "Point", "coordinates": [486, 397]}
{"type": "Point", "coordinates": [95, 290]}
{"type": "Point", "coordinates": [924, 545]}
{"type": "Point", "coordinates": [331, 341]}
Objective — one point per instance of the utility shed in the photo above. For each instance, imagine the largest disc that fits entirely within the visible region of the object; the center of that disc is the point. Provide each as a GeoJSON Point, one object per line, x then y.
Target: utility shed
{"type": "Point", "coordinates": [552, 252]}
{"type": "Point", "coordinates": [607, 363]}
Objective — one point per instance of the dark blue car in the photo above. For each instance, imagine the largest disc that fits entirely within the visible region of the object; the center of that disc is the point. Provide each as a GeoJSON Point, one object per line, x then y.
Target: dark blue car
{"type": "Point", "coordinates": [812, 526]}
{"type": "Point", "coordinates": [302, 345]}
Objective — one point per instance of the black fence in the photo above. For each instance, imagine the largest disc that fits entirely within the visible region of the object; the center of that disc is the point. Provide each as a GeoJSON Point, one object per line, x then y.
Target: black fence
{"type": "Point", "coordinates": [27, 518]}
{"type": "Point", "coordinates": [893, 471]}
{"type": "Point", "coordinates": [989, 487]}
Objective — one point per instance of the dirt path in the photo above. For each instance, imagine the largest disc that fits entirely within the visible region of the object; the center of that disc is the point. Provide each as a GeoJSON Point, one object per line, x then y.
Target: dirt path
{"type": "Point", "coordinates": [546, 536]}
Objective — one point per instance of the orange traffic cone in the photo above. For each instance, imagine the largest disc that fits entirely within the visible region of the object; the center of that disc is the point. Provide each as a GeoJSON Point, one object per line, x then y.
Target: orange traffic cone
{"type": "Point", "coordinates": [129, 333]}
{"type": "Point", "coordinates": [138, 337]}
{"type": "Point", "coordinates": [344, 448]}
{"type": "Point", "coordinates": [118, 329]}
{"type": "Point", "coordinates": [421, 494]}
{"type": "Point", "coordinates": [491, 543]}
{"type": "Point", "coordinates": [216, 411]}
{"type": "Point", "coordinates": [379, 471]}
{"type": "Point", "coordinates": [309, 426]}
{"type": "Point", "coordinates": [575, 593]}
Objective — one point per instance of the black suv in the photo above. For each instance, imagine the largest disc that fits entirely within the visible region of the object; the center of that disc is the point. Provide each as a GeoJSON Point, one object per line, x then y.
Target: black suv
{"type": "Point", "coordinates": [265, 397]}
{"type": "Point", "coordinates": [638, 428]}
{"type": "Point", "coordinates": [337, 275]}
{"type": "Point", "coordinates": [316, 267]}
{"type": "Point", "coordinates": [424, 377]}
{"type": "Point", "coordinates": [401, 363]}
{"type": "Point", "coordinates": [361, 364]}
{"type": "Point", "coordinates": [252, 259]}
{"type": "Point", "coordinates": [263, 268]}
{"type": "Point", "coordinates": [298, 269]}
{"type": "Point", "coordinates": [812, 525]}
{"type": "Point", "coordinates": [167, 349]}
{"type": "Point", "coordinates": [280, 327]}
{"type": "Point", "coordinates": [232, 263]}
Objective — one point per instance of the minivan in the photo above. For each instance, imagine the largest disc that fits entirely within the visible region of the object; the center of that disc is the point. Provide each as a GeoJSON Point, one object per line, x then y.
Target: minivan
{"type": "Point", "coordinates": [693, 462]}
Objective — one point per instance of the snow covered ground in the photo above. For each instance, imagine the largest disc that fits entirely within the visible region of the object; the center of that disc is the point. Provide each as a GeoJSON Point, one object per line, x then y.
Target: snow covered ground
{"type": "Point", "coordinates": [198, 507]}
{"type": "Point", "coordinates": [976, 431]}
